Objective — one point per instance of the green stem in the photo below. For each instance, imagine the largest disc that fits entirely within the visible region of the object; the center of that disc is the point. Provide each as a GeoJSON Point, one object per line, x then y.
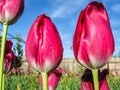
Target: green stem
{"type": "Point", "coordinates": [95, 79]}
{"type": "Point", "coordinates": [44, 79]}
{"type": "Point", "coordinates": [3, 81]}
{"type": "Point", "coordinates": [5, 28]}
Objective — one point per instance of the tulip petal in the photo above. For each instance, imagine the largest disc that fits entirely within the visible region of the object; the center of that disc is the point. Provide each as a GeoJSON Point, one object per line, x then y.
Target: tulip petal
{"type": "Point", "coordinates": [93, 42]}
{"type": "Point", "coordinates": [53, 80]}
{"type": "Point", "coordinates": [44, 47]}
{"type": "Point", "coordinates": [87, 80]}
{"type": "Point", "coordinates": [11, 10]}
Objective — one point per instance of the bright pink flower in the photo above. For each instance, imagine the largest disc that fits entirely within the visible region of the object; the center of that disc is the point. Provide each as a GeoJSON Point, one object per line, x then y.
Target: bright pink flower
{"type": "Point", "coordinates": [93, 42]}
{"type": "Point", "coordinates": [87, 80]}
{"type": "Point", "coordinates": [43, 45]}
{"type": "Point", "coordinates": [10, 10]}
{"type": "Point", "coordinates": [53, 80]}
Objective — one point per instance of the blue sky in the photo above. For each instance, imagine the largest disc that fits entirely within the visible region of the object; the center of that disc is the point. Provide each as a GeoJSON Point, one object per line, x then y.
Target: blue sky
{"type": "Point", "coordinates": [64, 14]}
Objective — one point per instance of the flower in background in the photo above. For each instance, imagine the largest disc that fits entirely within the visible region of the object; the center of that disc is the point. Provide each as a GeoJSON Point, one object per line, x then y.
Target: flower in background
{"type": "Point", "coordinates": [8, 46]}
{"type": "Point", "coordinates": [11, 10]}
{"type": "Point", "coordinates": [93, 42]}
{"type": "Point", "coordinates": [61, 70]}
{"type": "Point", "coordinates": [53, 79]}
{"type": "Point", "coordinates": [87, 80]}
{"type": "Point", "coordinates": [43, 49]}
{"type": "Point", "coordinates": [10, 58]}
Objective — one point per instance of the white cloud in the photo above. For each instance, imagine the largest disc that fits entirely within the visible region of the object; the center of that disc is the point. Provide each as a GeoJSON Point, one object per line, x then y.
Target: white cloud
{"type": "Point", "coordinates": [59, 12]}
{"type": "Point", "coordinates": [67, 7]}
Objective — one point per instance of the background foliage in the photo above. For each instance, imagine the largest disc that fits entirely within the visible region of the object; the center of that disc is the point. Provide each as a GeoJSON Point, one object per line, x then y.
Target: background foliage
{"type": "Point", "coordinates": [68, 82]}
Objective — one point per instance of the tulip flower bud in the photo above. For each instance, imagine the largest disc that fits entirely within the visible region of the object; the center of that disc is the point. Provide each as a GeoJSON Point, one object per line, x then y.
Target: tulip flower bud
{"type": "Point", "coordinates": [10, 58]}
{"type": "Point", "coordinates": [10, 10]}
{"type": "Point", "coordinates": [53, 80]}
{"type": "Point", "coordinates": [93, 42]}
{"type": "Point", "coordinates": [87, 80]}
{"type": "Point", "coordinates": [43, 45]}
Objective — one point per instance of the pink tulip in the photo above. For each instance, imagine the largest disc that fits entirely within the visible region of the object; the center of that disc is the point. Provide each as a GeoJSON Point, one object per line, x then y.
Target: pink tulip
{"type": "Point", "coordinates": [10, 10]}
{"type": "Point", "coordinates": [87, 80]}
{"type": "Point", "coordinates": [43, 45]}
{"type": "Point", "coordinates": [53, 80]}
{"type": "Point", "coordinates": [10, 58]}
{"type": "Point", "coordinates": [93, 41]}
